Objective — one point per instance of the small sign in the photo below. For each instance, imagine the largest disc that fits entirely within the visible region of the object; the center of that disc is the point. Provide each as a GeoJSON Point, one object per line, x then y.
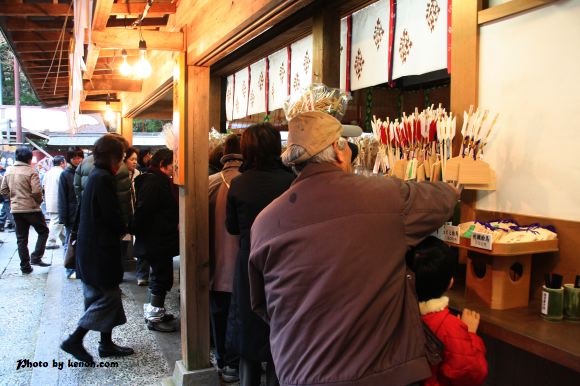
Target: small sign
{"type": "Point", "coordinates": [545, 301]}
{"type": "Point", "coordinates": [451, 234]}
{"type": "Point", "coordinates": [481, 240]}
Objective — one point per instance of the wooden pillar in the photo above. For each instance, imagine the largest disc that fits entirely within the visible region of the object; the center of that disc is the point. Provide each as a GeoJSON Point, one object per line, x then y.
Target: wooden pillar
{"type": "Point", "coordinates": [326, 45]}
{"type": "Point", "coordinates": [17, 102]}
{"type": "Point", "coordinates": [464, 81]}
{"type": "Point", "coordinates": [127, 129]}
{"type": "Point", "coordinates": [215, 106]}
{"type": "Point", "coordinates": [194, 224]}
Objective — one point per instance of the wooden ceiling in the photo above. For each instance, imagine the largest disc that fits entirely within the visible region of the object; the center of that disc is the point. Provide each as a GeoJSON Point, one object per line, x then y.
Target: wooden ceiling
{"type": "Point", "coordinates": [36, 31]}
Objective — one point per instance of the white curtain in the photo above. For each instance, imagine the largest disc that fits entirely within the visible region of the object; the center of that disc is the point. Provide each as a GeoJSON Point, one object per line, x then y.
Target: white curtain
{"type": "Point", "coordinates": [420, 37]}
{"type": "Point", "coordinates": [257, 98]}
{"type": "Point", "coordinates": [369, 61]}
{"type": "Point", "coordinates": [301, 67]}
{"type": "Point", "coordinates": [278, 79]}
{"type": "Point", "coordinates": [230, 98]}
{"type": "Point", "coordinates": [343, 44]}
{"type": "Point", "coordinates": [241, 93]}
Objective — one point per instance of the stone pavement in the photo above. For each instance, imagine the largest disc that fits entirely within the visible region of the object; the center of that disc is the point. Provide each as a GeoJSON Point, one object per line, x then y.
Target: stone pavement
{"type": "Point", "coordinates": [38, 311]}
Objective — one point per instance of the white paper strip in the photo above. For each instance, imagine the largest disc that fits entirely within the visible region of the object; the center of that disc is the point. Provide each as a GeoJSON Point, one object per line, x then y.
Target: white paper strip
{"type": "Point", "coordinates": [420, 44]}
{"type": "Point", "coordinates": [301, 68]}
{"type": "Point", "coordinates": [369, 60]}
{"type": "Point", "coordinates": [278, 79]}
{"type": "Point", "coordinates": [230, 98]}
{"type": "Point", "coordinates": [343, 37]}
{"type": "Point", "coordinates": [257, 98]}
{"type": "Point", "coordinates": [241, 91]}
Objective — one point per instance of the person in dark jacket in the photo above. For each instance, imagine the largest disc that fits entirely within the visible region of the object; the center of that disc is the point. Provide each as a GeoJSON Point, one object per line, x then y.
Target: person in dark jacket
{"type": "Point", "coordinates": [156, 229]}
{"type": "Point", "coordinates": [144, 159]}
{"type": "Point", "coordinates": [263, 179]}
{"type": "Point", "coordinates": [98, 254]}
{"type": "Point", "coordinates": [123, 184]}
{"type": "Point", "coordinates": [67, 199]}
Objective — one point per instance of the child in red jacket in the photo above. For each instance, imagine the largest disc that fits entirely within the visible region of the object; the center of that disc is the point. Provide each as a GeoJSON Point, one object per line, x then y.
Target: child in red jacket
{"type": "Point", "coordinates": [464, 360]}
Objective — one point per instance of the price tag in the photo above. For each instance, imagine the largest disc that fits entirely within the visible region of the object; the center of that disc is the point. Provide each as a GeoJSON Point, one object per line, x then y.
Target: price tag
{"type": "Point", "coordinates": [545, 301]}
{"type": "Point", "coordinates": [451, 234]}
{"type": "Point", "coordinates": [481, 240]}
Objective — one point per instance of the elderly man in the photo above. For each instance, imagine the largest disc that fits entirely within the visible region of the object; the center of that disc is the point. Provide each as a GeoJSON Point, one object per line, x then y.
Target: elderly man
{"type": "Point", "coordinates": [327, 266]}
{"type": "Point", "coordinates": [50, 185]}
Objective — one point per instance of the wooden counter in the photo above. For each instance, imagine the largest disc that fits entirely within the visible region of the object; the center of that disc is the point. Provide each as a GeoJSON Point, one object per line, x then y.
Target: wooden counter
{"type": "Point", "coordinates": [525, 329]}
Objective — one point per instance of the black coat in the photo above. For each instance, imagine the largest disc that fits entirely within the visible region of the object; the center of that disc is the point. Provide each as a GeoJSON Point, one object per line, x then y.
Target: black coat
{"type": "Point", "coordinates": [250, 192]}
{"type": "Point", "coordinates": [98, 251]}
{"type": "Point", "coordinates": [67, 199]}
{"type": "Point", "coordinates": [156, 218]}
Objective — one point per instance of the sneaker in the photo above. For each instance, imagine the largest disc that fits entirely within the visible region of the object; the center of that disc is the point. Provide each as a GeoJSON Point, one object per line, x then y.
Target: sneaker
{"type": "Point", "coordinates": [142, 282]}
{"type": "Point", "coordinates": [40, 263]}
{"type": "Point", "coordinates": [27, 270]}
{"type": "Point", "coordinates": [72, 276]}
{"type": "Point", "coordinates": [161, 326]}
{"type": "Point", "coordinates": [53, 246]}
{"type": "Point", "coordinates": [230, 375]}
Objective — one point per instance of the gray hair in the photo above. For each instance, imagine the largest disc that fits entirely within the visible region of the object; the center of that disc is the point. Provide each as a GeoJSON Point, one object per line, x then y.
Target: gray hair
{"type": "Point", "coordinates": [294, 152]}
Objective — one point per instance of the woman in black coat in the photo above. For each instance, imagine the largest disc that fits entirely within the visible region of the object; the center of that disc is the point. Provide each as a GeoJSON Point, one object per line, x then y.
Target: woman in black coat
{"type": "Point", "coordinates": [263, 179]}
{"type": "Point", "coordinates": [156, 229]}
{"type": "Point", "coordinates": [98, 254]}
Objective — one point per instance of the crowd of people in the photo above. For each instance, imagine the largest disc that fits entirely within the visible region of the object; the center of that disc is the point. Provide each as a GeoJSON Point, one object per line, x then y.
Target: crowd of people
{"type": "Point", "coordinates": [318, 276]}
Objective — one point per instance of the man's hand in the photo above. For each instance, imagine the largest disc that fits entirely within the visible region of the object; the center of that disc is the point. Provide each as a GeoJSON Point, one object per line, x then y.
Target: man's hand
{"type": "Point", "coordinates": [471, 319]}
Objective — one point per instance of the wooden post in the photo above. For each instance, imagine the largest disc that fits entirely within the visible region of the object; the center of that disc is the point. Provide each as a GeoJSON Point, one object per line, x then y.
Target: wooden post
{"type": "Point", "coordinates": [464, 81]}
{"type": "Point", "coordinates": [215, 106]}
{"type": "Point", "coordinates": [194, 224]}
{"type": "Point", "coordinates": [326, 45]}
{"type": "Point", "coordinates": [127, 129]}
{"type": "Point", "coordinates": [17, 102]}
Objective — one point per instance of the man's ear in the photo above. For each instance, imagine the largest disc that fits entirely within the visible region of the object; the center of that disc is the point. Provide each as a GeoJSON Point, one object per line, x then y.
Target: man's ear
{"type": "Point", "coordinates": [339, 154]}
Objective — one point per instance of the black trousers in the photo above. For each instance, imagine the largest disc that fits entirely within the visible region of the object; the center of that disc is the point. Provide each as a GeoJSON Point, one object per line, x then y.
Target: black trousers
{"type": "Point", "coordinates": [5, 213]}
{"type": "Point", "coordinates": [23, 223]}
{"type": "Point", "coordinates": [161, 275]}
{"type": "Point", "coordinates": [219, 303]}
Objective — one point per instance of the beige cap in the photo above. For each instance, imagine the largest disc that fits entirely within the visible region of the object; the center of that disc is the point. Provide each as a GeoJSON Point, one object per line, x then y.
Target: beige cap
{"type": "Point", "coordinates": [314, 131]}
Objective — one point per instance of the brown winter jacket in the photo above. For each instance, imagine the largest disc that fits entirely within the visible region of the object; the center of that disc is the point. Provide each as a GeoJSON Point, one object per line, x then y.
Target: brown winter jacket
{"type": "Point", "coordinates": [223, 246]}
{"type": "Point", "coordinates": [327, 269]}
{"type": "Point", "coordinates": [21, 184]}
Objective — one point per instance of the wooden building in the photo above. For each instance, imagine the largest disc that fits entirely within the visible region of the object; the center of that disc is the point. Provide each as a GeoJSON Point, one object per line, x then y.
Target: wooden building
{"type": "Point", "coordinates": [194, 45]}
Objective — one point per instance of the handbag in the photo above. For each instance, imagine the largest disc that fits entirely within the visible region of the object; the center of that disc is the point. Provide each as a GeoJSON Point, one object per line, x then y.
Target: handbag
{"type": "Point", "coordinates": [70, 256]}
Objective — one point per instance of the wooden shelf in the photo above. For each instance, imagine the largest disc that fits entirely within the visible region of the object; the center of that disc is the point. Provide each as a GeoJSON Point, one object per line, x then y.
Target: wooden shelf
{"type": "Point", "coordinates": [512, 249]}
{"type": "Point", "coordinates": [525, 329]}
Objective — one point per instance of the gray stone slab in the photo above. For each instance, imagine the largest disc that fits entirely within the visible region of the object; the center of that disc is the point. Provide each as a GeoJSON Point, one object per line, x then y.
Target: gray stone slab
{"type": "Point", "coordinates": [204, 377]}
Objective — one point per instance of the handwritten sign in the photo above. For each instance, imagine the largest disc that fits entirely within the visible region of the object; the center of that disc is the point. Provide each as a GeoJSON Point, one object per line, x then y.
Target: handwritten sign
{"type": "Point", "coordinates": [481, 240]}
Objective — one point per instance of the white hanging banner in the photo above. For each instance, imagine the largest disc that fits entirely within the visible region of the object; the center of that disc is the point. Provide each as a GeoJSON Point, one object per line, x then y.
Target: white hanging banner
{"type": "Point", "coordinates": [257, 98]}
{"type": "Point", "coordinates": [301, 64]}
{"type": "Point", "coordinates": [230, 98]}
{"type": "Point", "coordinates": [343, 48]}
{"type": "Point", "coordinates": [278, 79]}
{"type": "Point", "coordinates": [369, 60]}
{"type": "Point", "coordinates": [420, 37]}
{"type": "Point", "coordinates": [241, 92]}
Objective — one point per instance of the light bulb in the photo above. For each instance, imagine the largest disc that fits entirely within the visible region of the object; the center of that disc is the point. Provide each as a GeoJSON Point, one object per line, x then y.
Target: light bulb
{"type": "Point", "coordinates": [142, 67]}
{"type": "Point", "coordinates": [125, 68]}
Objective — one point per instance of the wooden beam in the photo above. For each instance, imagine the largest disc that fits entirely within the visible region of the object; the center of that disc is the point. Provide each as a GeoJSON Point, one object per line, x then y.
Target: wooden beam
{"type": "Point", "coordinates": [99, 106]}
{"type": "Point", "coordinates": [120, 38]}
{"type": "Point", "coordinates": [115, 52]}
{"type": "Point", "coordinates": [194, 225]}
{"type": "Point", "coordinates": [39, 36]}
{"type": "Point", "coordinates": [326, 45]}
{"type": "Point", "coordinates": [91, 63]}
{"type": "Point", "coordinates": [35, 9]}
{"type": "Point", "coordinates": [37, 47]}
{"type": "Point", "coordinates": [508, 8]}
{"type": "Point", "coordinates": [216, 105]}
{"type": "Point", "coordinates": [101, 14]}
{"type": "Point", "coordinates": [136, 9]}
{"type": "Point", "coordinates": [33, 56]}
{"type": "Point", "coordinates": [113, 84]}
{"type": "Point", "coordinates": [21, 24]}
{"type": "Point", "coordinates": [147, 22]}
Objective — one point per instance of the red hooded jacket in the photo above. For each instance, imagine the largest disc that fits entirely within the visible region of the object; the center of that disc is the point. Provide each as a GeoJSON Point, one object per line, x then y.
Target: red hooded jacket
{"type": "Point", "coordinates": [464, 360]}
